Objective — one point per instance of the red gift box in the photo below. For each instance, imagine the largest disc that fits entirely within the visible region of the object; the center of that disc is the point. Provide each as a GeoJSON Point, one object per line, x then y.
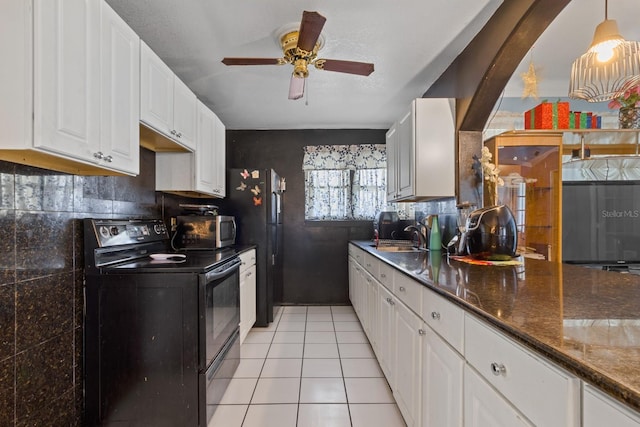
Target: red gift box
{"type": "Point", "coordinates": [548, 115]}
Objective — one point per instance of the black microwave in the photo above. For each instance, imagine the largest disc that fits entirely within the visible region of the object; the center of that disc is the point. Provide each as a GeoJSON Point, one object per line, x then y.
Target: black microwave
{"type": "Point", "coordinates": [205, 231]}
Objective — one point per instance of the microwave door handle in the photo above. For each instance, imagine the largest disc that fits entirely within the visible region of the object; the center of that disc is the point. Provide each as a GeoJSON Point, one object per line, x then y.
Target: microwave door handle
{"type": "Point", "coordinates": [234, 227]}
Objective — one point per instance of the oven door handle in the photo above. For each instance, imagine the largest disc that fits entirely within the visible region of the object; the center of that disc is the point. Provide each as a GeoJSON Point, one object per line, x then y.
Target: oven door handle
{"type": "Point", "coordinates": [223, 270]}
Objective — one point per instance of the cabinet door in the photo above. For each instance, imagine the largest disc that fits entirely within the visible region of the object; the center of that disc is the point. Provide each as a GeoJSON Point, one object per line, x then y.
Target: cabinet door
{"type": "Point", "coordinates": [156, 91]}
{"type": "Point", "coordinates": [600, 410]}
{"type": "Point", "coordinates": [66, 77]}
{"type": "Point", "coordinates": [247, 301]}
{"type": "Point", "coordinates": [442, 370]}
{"type": "Point", "coordinates": [386, 337]}
{"type": "Point", "coordinates": [204, 173]}
{"type": "Point", "coordinates": [406, 151]}
{"type": "Point", "coordinates": [120, 93]}
{"type": "Point", "coordinates": [219, 160]}
{"type": "Point", "coordinates": [352, 279]}
{"type": "Point", "coordinates": [392, 159]}
{"type": "Point", "coordinates": [184, 114]}
{"type": "Point", "coordinates": [408, 361]}
{"type": "Point", "coordinates": [483, 406]}
{"type": "Point", "coordinates": [372, 310]}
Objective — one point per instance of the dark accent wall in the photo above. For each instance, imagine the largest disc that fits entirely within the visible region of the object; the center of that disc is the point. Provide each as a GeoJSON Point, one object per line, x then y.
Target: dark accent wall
{"type": "Point", "coordinates": [41, 281]}
{"type": "Point", "coordinates": [315, 254]}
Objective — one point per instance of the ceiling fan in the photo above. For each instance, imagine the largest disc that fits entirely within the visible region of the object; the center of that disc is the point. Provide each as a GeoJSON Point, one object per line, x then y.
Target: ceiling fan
{"type": "Point", "coordinates": [300, 48]}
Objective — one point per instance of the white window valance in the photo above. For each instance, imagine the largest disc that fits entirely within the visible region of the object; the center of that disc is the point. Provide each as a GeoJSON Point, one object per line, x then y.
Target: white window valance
{"type": "Point", "coordinates": [352, 157]}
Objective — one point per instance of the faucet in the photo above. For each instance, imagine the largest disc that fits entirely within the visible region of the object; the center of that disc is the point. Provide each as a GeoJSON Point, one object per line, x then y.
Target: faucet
{"type": "Point", "coordinates": [422, 239]}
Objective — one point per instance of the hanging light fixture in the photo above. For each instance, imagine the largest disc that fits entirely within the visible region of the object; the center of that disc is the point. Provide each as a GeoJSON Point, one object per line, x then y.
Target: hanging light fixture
{"type": "Point", "coordinates": [608, 68]}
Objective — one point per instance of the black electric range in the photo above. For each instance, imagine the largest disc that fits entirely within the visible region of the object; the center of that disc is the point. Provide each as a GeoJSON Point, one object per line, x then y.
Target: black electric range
{"type": "Point", "coordinates": [161, 327]}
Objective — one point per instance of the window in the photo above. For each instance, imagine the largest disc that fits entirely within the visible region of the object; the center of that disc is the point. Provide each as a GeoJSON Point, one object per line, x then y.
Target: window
{"type": "Point", "coordinates": [344, 182]}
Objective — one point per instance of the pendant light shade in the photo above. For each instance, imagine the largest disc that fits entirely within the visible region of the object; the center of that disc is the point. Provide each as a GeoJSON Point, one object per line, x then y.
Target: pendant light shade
{"type": "Point", "coordinates": [608, 68]}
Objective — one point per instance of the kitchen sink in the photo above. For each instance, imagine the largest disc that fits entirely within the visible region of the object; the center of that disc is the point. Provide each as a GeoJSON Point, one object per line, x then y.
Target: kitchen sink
{"type": "Point", "coordinates": [397, 248]}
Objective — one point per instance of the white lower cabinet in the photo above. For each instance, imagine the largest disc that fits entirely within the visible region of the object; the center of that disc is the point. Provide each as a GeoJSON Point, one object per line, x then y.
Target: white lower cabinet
{"type": "Point", "coordinates": [545, 394]}
{"type": "Point", "coordinates": [448, 368]}
{"type": "Point", "coordinates": [485, 407]}
{"type": "Point", "coordinates": [442, 369]}
{"type": "Point", "coordinates": [247, 292]}
{"type": "Point", "coordinates": [386, 337]}
{"type": "Point", "coordinates": [600, 410]}
{"type": "Point", "coordinates": [408, 333]}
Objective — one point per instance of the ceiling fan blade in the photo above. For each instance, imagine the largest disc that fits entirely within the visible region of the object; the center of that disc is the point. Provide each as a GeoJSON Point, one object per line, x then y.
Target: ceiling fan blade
{"type": "Point", "coordinates": [296, 87]}
{"type": "Point", "coordinates": [251, 61]}
{"type": "Point", "coordinates": [310, 29]}
{"type": "Point", "coordinates": [351, 67]}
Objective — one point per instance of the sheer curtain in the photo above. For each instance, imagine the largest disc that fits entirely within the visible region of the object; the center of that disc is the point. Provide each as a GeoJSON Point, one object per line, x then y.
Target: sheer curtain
{"type": "Point", "coordinates": [344, 182]}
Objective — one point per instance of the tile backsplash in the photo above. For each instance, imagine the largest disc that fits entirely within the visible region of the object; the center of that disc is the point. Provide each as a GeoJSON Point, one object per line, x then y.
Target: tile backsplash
{"type": "Point", "coordinates": [41, 279]}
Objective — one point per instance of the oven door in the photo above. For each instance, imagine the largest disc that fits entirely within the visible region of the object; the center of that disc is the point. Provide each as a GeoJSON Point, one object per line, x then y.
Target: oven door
{"type": "Point", "coordinates": [214, 381]}
{"type": "Point", "coordinates": [219, 309]}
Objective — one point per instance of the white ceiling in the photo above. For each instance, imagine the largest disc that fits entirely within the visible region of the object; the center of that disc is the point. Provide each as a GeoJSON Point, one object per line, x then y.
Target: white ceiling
{"type": "Point", "coordinates": [410, 42]}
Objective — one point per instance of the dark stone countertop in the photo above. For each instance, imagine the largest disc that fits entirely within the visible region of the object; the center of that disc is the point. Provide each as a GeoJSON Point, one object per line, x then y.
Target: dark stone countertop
{"type": "Point", "coordinates": [585, 320]}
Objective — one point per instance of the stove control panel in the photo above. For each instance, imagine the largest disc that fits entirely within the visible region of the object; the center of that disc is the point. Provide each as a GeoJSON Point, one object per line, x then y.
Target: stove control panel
{"type": "Point", "coordinates": [125, 232]}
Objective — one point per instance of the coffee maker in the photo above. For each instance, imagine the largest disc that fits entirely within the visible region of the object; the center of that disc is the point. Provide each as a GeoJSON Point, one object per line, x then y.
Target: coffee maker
{"type": "Point", "coordinates": [386, 225]}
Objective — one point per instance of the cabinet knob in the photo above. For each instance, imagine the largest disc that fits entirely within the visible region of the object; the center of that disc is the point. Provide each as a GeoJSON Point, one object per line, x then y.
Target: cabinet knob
{"type": "Point", "coordinates": [108, 159]}
{"type": "Point", "coordinates": [390, 301]}
{"type": "Point", "coordinates": [421, 332]}
{"type": "Point", "coordinates": [98, 155]}
{"type": "Point", "coordinates": [179, 135]}
{"type": "Point", "coordinates": [498, 369]}
{"type": "Point", "coordinates": [435, 315]}
{"type": "Point", "coordinates": [383, 275]}
{"type": "Point", "coordinates": [173, 131]}
{"type": "Point", "coordinates": [402, 289]}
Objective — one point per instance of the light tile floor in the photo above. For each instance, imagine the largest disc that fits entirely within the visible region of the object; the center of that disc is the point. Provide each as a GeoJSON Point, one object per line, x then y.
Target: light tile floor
{"type": "Point", "coordinates": [312, 367]}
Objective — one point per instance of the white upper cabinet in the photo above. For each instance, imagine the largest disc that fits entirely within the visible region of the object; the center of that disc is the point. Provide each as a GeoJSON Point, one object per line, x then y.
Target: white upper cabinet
{"type": "Point", "coordinates": [70, 91]}
{"type": "Point", "coordinates": [167, 105]}
{"type": "Point", "coordinates": [66, 76]}
{"type": "Point", "coordinates": [219, 160]}
{"type": "Point", "coordinates": [421, 152]}
{"type": "Point", "coordinates": [120, 100]}
{"type": "Point", "coordinates": [197, 174]}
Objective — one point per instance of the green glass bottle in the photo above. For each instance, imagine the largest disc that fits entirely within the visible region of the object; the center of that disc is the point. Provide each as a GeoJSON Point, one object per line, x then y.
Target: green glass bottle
{"type": "Point", "coordinates": [435, 241]}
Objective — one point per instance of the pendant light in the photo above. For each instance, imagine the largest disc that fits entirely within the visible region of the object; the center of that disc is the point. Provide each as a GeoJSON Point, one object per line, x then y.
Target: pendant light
{"type": "Point", "coordinates": [608, 68]}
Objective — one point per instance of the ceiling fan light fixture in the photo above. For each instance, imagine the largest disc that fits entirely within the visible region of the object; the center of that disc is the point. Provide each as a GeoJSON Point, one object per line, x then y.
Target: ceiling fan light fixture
{"type": "Point", "coordinates": [300, 68]}
{"type": "Point", "coordinates": [296, 87]}
{"type": "Point", "coordinates": [610, 66]}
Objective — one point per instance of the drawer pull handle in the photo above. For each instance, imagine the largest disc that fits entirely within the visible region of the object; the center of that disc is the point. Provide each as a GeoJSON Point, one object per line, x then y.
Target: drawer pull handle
{"type": "Point", "coordinates": [435, 315]}
{"type": "Point", "coordinates": [402, 289]}
{"type": "Point", "coordinates": [498, 369]}
{"type": "Point", "coordinates": [421, 332]}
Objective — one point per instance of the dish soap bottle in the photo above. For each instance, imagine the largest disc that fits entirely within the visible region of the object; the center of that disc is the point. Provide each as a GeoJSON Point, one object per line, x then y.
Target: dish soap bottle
{"type": "Point", "coordinates": [435, 241]}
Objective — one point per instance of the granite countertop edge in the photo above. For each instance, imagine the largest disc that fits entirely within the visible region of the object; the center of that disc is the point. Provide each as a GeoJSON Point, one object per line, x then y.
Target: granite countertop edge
{"type": "Point", "coordinates": [597, 376]}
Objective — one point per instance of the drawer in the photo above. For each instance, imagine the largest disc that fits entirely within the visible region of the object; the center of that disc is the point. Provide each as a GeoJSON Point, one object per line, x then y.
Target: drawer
{"type": "Point", "coordinates": [601, 410]}
{"type": "Point", "coordinates": [357, 254]}
{"type": "Point", "coordinates": [408, 291]}
{"type": "Point", "coordinates": [247, 259]}
{"type": "Point", "coordinates": [545, 394]}
{"type": "Point", "coordinates": [445, 318]}
{"type": "Point", "coordinates": [371, 264]}
{"type": "Point", "coordinates": [385, 275]}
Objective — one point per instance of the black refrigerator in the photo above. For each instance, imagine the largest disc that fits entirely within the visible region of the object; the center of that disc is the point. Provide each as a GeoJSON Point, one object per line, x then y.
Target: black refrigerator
{"type": "Point", "coordinates": [255, 198]}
